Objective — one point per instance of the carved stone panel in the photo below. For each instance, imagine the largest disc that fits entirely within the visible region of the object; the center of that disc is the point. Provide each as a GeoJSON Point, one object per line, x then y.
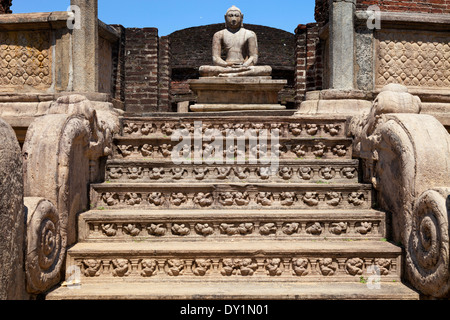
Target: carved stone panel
{"type": "Point", "coordinates": [25, 60]}
{"type": "Point", "coordinates": [414, 59]}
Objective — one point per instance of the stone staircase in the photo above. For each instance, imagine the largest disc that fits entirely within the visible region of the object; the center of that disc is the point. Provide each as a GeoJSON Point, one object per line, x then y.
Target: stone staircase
{"type": "Point", "coordinates": [159, 230]}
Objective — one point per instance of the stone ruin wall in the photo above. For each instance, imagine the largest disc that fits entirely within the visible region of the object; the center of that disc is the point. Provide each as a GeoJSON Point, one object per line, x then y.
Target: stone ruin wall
{"type": "Point", "coordinates": [146, 70]}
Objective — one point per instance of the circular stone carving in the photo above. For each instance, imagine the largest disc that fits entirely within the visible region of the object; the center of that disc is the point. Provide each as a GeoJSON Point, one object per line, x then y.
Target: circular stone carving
{"type": "Point", "coordinates": [45, 252]}
{"type": "Point", "coordinates": [428, 249]}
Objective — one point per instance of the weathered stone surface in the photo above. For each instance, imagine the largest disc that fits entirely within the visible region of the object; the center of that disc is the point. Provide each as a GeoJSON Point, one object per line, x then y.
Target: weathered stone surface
{"type": "Point", "coordinates": [220, 222]}
{"type": "Point", "coordinates": [63, 154]}
{"type": "Point", "coordinates": [418, 59]}
{"type": "Point", "coordinates": [406, 170]}
{"type": "Point", "coordinates": [46, 246]}
{"type": "Point", "coordinates": [342, 41]}
{"type": "Point", "coordinates": [217, 94]}
{"type": "Point", "coordinates": [12, 216]}
{"type": "Point", "coordinates": [278, 262]}
{"type": "Point", "coordinates": [26, 60]}
{"type": "Point", "coordinates": [86, 48]}
{"type": "Point", "coordinates": [159, 196]}
{"type": "Point", "coordinates": [305, 171]}
{"type": "Point", "coordinates": [333, 101]}
{"type": "Point", "coordinates": [223, 225]}
{"type": "Point", "coordinates": [239, 290]}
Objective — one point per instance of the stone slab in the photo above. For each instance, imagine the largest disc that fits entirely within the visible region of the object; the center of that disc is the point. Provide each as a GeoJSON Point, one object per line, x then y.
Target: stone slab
{"type": "Point", "coordinates": [301, 171]}
{"type": "Point", "coordinates": [224, 94]}
{"type": "Point", "coordinates": [206, 290]}
{"type": "Point", "coordinates": [341, 106]}
{"type": "Point", "coordinates": [230, 225]}
{"type": "Point", "coordinates": [243, 196]}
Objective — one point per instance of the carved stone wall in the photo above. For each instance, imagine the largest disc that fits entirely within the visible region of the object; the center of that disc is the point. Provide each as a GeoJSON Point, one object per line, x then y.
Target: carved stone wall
{"type": "Point", "coordinates": [414, 59]}
{"type": "Point", "coordinates": [25, 60]}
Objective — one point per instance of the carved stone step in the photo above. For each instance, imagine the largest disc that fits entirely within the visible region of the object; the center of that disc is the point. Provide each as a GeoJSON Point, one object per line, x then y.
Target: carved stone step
{"type": "Point", "coordinates": [230, 225]}
{"type": "Point", "coordinates": [158, 148]}
{"type": "Point", "coordinates": [287, 127]}
{"type": "Point", "coordinates": [278, 261]}
{"type": "Point", "coordinates": [233, 290]}
{"type": "Point", "coordinates": [302, 171]}
{"type": "Point", "coordinates": [231, 196]}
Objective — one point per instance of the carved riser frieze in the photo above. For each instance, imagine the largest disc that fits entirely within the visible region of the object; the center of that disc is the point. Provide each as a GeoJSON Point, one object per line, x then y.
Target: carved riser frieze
{"type": "Point", "coordinates": [284, 126]}
{"type": "Point", "coordinates": [205, 230]}
{"type": "Point", "coordinates": [294, 267]}
{"type": "Point", "coordinates": [307, 172]}
{"type": "Point", "coordinates": [232, 196]}
{"type": "Point", "coordinates": [232, 150]}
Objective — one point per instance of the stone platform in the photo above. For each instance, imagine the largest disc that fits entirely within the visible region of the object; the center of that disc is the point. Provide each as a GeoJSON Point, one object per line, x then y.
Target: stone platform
{"type": "Point", "coordinates": [240, 93]}
{"type": "Point", "coordinates": [157, 230]}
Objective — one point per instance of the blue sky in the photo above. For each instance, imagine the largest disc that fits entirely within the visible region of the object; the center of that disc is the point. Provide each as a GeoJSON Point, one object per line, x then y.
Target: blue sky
{"type": "Point", "coordinates": [171, 15]}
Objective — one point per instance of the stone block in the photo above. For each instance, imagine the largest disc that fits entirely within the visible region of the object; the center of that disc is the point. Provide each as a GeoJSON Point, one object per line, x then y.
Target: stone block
{"type": "Point", "coordinates": [246, 93]}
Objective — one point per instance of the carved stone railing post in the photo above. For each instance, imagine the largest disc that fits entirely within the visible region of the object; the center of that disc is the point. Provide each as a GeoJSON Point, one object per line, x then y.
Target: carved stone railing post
{"type": "Point", "coordinates": [407, 159]}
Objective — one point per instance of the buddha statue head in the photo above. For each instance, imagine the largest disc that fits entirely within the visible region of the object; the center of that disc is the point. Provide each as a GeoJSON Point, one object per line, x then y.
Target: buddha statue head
{"type": "Point", "coordinates": [234, 19]}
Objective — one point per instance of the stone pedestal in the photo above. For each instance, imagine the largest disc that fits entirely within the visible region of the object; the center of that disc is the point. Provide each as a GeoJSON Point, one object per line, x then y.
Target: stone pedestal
{"type": "Point", "coordinates": [240, 93]}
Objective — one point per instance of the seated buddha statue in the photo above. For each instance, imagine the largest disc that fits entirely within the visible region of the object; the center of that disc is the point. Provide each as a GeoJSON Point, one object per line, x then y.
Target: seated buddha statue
{"type": "Point", "coordinates": [241, 48]}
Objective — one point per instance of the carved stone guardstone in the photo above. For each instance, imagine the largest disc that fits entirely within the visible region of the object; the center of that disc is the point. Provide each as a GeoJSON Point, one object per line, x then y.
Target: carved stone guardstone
{"type": "Point", "coordinates": [236, 82]}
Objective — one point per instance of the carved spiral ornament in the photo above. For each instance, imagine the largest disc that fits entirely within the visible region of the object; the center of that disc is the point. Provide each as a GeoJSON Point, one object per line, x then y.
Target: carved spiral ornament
{"type": "Point", "coordinates": [428, 250]}
{"type": "Point", "coordinates": [46, 246]}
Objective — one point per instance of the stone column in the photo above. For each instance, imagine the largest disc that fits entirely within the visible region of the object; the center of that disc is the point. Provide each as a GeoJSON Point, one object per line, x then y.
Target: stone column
{"type": "Point", "coordinates": [342, 37]}
{"type": "Point", "coordinates": [85, 47]}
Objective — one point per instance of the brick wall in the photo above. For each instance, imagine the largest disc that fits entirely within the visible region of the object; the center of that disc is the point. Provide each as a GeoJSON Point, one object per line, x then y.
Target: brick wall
{"type": "Point", "coordinates": [164, 74]}
{"type": "Point", "coordinates": [141, 70]}
{"type": "Point", "coordinates": [422, 6]}
{"type": "Point", "coordinates": [309, 60]}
